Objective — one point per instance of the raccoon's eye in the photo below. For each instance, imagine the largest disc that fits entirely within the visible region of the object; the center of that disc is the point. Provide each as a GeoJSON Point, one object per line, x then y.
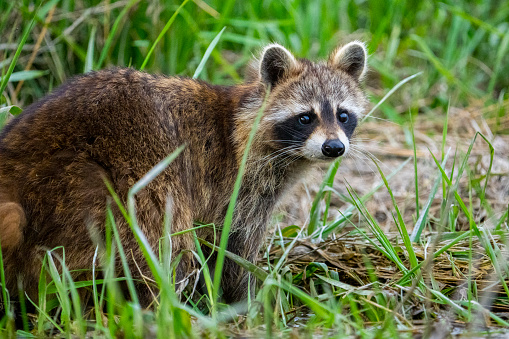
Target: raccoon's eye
{"type": "Point", "coordinates": [305, 119]}
{"type": "Point", "coordinates": [343, 116]}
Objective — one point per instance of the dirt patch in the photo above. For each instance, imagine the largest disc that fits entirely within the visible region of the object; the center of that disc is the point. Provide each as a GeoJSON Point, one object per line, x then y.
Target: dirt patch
{"type": "Point", "coordinates": [391, 145]}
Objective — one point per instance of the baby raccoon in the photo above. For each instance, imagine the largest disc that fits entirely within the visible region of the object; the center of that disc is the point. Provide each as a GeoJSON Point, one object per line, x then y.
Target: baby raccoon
{"type": "Point", "coordinates": [115, 125]}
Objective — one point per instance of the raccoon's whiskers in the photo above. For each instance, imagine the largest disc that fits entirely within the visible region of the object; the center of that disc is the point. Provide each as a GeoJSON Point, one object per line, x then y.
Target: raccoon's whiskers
{"type": "Point", "coordinates": [279, 158]}
{"type": "Point", "coordinates": [386, 120]}
{"type": "Point", "coordinates": [357, 165]}
{"type": "Point", "coordinates": [357, 155]}
{"type": "Point", "coordinates": [356, 138]}
{"type": "Point", "coordinates": [278, 153]}
{"type": "Point", "coordinates": [367, 155]}
{"type": "Point", "coordinates": [365, 152]}
{"type": "Point", "coordinates": [292, 159]}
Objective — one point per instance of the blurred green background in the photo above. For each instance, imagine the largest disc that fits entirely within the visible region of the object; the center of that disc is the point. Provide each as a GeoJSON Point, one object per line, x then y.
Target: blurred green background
{"type": "Point", "coordinates": [460, 46]}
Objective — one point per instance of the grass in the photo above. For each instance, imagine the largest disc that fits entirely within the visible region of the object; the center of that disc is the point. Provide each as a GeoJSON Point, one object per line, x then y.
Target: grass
{"type": "Point", "coordinates": [437, 69]}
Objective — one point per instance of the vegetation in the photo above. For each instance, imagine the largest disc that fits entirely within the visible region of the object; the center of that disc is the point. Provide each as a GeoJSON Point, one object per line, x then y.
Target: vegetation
{"type": "Point", "coordinates": [437, 262]}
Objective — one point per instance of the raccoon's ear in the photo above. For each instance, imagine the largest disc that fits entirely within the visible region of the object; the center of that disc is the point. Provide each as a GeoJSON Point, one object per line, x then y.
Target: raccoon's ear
{"type": "Point", "coordinates": [275, 62]}
{"type": "Point", "coordinates": [351, 58]}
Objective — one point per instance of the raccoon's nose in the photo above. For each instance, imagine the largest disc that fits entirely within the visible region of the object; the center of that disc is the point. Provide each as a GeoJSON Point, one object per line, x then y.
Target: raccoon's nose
{"type": "Point", "coordinates": [333, 148]}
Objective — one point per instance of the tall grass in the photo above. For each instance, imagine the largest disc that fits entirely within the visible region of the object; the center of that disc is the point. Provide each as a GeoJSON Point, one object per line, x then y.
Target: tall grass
{"type": "Point", "coordinates": [460, 46]}
{"type": "Point", "coordinates": [425, 57]}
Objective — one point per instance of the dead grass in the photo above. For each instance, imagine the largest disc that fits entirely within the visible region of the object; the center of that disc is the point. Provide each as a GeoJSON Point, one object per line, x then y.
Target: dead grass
{"type": "Point", "coordinates": [391, 145]}
{"type": "Point", "coordinates": [356, 260]}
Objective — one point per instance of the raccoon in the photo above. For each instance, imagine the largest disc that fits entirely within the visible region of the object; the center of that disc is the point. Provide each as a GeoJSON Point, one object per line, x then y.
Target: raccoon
{"type": "Point", "coordinates": [114, 125]}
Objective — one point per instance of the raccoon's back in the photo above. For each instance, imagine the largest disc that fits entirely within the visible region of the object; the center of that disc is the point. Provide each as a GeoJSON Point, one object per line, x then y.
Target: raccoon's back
{"type": "Point", "coordinates": [114, 125]}
{"type": "Point", "coordinates": [113, 116]}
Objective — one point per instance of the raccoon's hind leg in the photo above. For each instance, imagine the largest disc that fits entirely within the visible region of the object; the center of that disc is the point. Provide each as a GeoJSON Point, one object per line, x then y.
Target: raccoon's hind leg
{"type": "Point", "coordinates": [150, 219]}
{"type": "Point", "coordinates": [12, 223]}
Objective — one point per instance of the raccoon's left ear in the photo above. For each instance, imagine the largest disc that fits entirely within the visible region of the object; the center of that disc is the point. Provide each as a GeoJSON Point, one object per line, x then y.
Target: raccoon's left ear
{"type": "Point", "coordinates": [351, 58]}
{"type": "Point", "coordinates": [275, 63]}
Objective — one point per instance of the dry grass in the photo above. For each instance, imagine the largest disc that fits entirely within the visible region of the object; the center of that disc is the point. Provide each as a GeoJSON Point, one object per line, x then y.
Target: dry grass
{"type": "Point", "coordinates": [356, 260]}
{"type": "Point", "coordinates": [390, 145]}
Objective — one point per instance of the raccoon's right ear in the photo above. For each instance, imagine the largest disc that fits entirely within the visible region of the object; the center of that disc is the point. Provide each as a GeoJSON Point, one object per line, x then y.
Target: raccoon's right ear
{"type": "Point", "coordinates": [275, 63]}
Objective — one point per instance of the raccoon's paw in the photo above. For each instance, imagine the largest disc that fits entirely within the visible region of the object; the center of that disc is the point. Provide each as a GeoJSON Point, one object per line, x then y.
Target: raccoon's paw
{"type": "Point", "coordinates": [12, 222]}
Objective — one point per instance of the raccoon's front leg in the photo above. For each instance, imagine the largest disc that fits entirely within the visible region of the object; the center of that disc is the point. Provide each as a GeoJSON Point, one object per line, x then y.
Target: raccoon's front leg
{"type": "Point", "coordinates": [236, 282]}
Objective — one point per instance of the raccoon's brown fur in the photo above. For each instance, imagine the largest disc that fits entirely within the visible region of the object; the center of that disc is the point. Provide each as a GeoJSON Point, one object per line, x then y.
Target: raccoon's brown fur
{"type": "Point", "coordinates": [116, 124]}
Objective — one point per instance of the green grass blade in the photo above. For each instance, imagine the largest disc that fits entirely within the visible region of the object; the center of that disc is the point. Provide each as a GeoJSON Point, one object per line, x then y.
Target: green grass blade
{"type": "Point", "coordinates": [111, 36]}
{"type": "Point", "coordinates": [160, 36]}
{"type": "Point", "coordinates": [206, 272]}
{"type": "Point", "coordinates": [421, 221]}
{"type": "Point", "coordinates": [123, 259]}
{"type": "Point", "coordinates": [25, 75]}
{"type": "Point", "coordinates": [5, 294]}
{"type": "Point", "coordinates": [314, 213]}
{"type": "Point", "coordinates": [263, 276]}
{"type": "Point", "coordinates": [387, 247]}
{"type": "Point", "coordinates": [89, 60]}
{"type": "Point", "coordinates": [501, 53]}
{"type": "Point", "coordinates": [394, 89]}
{"type": "Point", "coordinates": [61, 290]}
{"type": "Point", "coordinates": [440, 67]}
{"type": "Point", "coordinates": [476, 21]}
{"type": "Point", "coordinates": [444, 138]}
{"type": "Point", "coordinates": [147, 250]}
{"type": "Point", "coordinates": [486, 244]}
{"type": "Point", "coordinates": [401, 224]}
{"type": "Point", "coordinates": [416, 176]}
{"type": "Point", "coordinates": [257, 272]}
{"type": "Point", "coordinates": [44, 314]}
{"type": "Point", "coordinates": [26, 33]}
{"type": "Point", "coordinates": [459, 238]}
{"type": "Point", "coordinates": [207, 54]}
{"type": "Point", "coordinates": [327, 230]}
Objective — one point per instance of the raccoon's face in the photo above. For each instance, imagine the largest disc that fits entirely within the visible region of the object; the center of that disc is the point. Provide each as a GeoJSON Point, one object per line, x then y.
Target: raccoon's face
{"type": "Point", "coordinates": [313, 108]}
